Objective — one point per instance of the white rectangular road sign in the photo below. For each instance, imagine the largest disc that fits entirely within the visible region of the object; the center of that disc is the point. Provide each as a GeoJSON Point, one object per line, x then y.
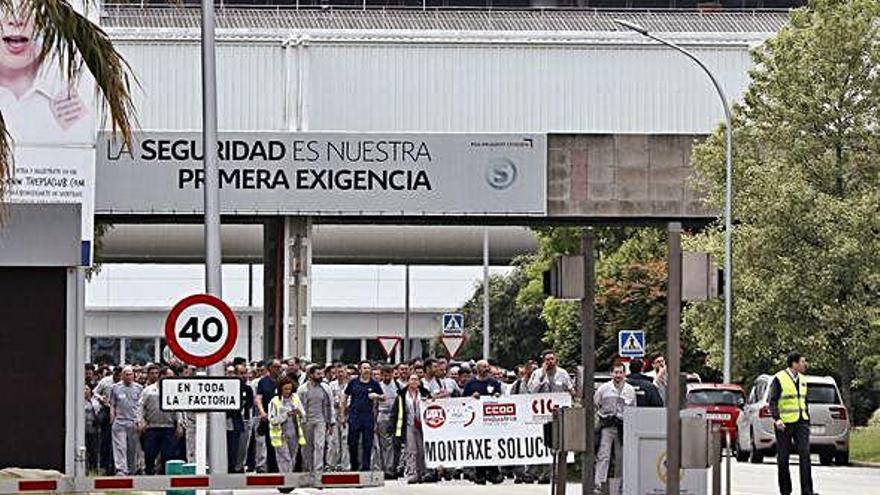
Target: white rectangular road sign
{"type": "Point", "coordinates": [203, 394]}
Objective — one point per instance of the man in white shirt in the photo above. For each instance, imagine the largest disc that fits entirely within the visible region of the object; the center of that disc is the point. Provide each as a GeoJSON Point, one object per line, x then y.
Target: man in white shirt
{"type": "Point", "coordinates": [611, 399]}
{"type": "Point", "coordinates": [550, 377]}
{"type": "Point", "coordinates": [546, 379]}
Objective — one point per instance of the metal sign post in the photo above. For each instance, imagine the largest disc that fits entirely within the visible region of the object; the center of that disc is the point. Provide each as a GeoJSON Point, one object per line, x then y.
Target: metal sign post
{"type": "Point", "coordinates": [588, 354]}
{"type": "Point", "coordinates": [213, 258]}
{"type": "Point", "coordinates": [673, 339]}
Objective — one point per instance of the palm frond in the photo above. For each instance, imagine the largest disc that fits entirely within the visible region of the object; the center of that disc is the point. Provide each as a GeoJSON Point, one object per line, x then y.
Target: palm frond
{"type": "Point", "coordinates": [71, 40]}
{"type": "Point", "coordinates": [74, 41]}
{"type": "Point", "coordinates": [7, 161]}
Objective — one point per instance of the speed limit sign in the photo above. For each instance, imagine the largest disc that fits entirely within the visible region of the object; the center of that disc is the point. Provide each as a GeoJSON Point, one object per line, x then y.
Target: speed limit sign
{"type": "Point", "coordinates": [201, 330]}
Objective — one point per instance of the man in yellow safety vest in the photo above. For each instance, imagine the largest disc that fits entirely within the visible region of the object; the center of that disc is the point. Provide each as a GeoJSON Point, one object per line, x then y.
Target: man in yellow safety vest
{"type": "Point", "coordinates": [788, 406]}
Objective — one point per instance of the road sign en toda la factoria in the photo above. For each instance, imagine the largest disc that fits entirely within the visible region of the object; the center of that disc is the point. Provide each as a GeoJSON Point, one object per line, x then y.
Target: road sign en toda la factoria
{"type": "Point", "coordinates": [201, 330]}
{"type": "Point", "coordinates": [200, 394]}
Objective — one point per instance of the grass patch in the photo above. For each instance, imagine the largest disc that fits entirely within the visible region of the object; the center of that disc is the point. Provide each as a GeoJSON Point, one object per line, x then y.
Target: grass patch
{"type": "Point", "coordinates": [864, 444]}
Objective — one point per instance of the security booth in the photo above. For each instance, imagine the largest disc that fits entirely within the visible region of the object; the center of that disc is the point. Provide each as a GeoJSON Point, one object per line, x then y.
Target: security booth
{"type": "Point", "coordinates": [644, 449]}
{"type": "Point", "coordinates": [40, 300]}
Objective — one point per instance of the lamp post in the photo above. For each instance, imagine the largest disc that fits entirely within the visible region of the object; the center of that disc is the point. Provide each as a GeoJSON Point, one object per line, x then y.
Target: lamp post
{"type": "Point", "coordinates": [728, 190]}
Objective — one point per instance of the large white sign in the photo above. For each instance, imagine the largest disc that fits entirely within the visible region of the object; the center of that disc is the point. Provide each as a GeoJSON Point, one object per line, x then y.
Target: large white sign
{"type": "Point", "coordinates": [327, 174]}
{"type": "Point", "coordinates": [200, 394]}
{"type": "Point", "coordinates": [503, 431]}
{"type": "Point", "coordinates": [51, 122]}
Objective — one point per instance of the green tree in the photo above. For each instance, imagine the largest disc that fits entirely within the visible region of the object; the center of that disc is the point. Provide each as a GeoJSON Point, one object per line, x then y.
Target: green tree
{"type": "Point", "coordinates": [70, 40]}
{"type": "Point", "coordinates": [807, 198]}
{"type": "Point", "coordinates": [630, 288]}
{"type": "Point", "coordinates": [515, 332]}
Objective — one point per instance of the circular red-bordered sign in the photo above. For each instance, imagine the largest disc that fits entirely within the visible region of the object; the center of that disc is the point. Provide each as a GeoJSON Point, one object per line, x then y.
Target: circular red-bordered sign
{"type": "Point", "coordinates": [201, 330]}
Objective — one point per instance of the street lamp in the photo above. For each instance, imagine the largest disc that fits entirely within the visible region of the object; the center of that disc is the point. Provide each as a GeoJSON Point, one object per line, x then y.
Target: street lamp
{"type": "Point", "coordinates": [728, 193]}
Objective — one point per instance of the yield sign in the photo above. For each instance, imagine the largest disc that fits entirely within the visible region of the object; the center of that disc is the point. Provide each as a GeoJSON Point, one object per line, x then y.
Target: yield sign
{"type": "Point", "coordinates": [388, 344]}
{"type": "Point", "coordinates": [452, 343]}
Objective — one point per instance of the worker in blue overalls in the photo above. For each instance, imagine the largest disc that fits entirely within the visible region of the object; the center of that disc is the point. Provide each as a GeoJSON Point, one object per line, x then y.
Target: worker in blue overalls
{"type": "Point", "coordinates": [361, 395]}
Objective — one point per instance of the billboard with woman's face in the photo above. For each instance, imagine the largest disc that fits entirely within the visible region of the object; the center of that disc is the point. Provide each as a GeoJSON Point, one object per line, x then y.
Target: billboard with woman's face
{"type": "Point", "coordinates": [50, 118]}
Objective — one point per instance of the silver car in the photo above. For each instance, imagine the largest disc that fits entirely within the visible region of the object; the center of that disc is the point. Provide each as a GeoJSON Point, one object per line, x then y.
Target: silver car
{"type": "Point", "coordinates": [829, 422]}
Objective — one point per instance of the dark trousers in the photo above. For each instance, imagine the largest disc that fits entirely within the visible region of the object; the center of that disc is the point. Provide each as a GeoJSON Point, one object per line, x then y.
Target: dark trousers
{"type": "Point", "coordinates": [232, 440]}
{"type": "Point", "coordinates": [106, 448]}
{"type": "Point", "coordinates": [158, 441]}
{"type": "Point", "coordinates": [93, 442]}
{"type": "Point", "coordinates": [486, 472]}
{"type": "Point", "coordinates": [251, 457]}
{"type": "Point", "coordinates": [360, 433]}
{"type": "Point", "coordinates": [795, 437]}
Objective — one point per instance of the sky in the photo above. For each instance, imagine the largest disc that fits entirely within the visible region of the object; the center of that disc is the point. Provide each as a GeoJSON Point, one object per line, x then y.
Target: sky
{"type": "Point", "coordinates": [356, 286]}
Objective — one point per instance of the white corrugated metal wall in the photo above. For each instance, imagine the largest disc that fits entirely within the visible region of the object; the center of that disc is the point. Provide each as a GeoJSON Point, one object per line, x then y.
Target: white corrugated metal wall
{"type": "Point", "coordinates": [401, 86]}
{"type": "Point", "coordinates": [469, 88]}
{"type": "Point", "coordinates": [250, 84]}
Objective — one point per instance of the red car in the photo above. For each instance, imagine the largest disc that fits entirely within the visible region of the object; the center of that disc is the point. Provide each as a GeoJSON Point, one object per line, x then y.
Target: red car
{"type": "Point", "coordinates": [723, 403]}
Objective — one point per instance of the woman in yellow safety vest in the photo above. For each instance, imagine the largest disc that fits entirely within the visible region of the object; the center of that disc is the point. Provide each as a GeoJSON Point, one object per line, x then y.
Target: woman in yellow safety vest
{"type": "Point", "coordinates": [406, 415]}
{"type": "Point", "coordinates": [285, 425]}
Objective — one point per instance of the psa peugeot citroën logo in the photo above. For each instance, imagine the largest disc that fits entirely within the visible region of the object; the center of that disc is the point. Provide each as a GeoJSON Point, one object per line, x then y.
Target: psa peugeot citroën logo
{"type": "Point", "coordinates": [501, 173]}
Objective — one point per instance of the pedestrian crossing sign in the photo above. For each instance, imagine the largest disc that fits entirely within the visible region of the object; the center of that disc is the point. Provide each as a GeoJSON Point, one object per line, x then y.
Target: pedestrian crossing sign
{"type": "Point", "coordinates": [631, 343]}
{"type": "Point", "coordinates": [453, 323]}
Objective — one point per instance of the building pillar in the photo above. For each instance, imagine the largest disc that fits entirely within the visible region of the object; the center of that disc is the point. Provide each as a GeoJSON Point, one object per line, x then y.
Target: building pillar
{"type": "Point", "coordinates": [297, 295]}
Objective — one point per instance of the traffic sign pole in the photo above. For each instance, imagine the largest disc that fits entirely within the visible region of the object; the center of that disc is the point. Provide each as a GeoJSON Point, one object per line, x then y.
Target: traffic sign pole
{"type": "Point", "coordinates": [213, 257]}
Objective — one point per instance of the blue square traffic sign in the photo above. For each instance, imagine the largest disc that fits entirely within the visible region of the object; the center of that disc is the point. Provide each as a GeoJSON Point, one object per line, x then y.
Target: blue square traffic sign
{"type": "Point", "coordinates": [453, 323]}
{"type": "Point", "coordinates": [631, 343]}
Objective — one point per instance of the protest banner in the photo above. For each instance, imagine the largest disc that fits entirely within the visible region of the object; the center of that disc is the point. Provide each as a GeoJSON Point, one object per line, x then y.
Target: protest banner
{"type": "Point", "coordinates": [490, 431]}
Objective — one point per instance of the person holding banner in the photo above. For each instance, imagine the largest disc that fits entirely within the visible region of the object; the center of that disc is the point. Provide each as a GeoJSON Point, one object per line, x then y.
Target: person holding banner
{"type": "Point", "coordinates": [611, 399]}
{"type": "Point", "coordinates": [484, 384]}
{"type": "Point", "coordinates": [406, 415]}
{"type": "Point", "coordinates": [285, 425]}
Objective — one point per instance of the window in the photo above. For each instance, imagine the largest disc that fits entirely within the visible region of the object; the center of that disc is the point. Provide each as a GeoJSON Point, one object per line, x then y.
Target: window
{"type": "Point", "coordinates": [104, 350]}
{"type": "Point", "coordinates": [140, 351]}
{"type": "Point", "coordinates": [346, 350]}
{"type": "Point", "coordinates": [760, 389]}
{"type": "Point", "coordinates": [715, 397]}
{"type": "Point", "coordinates": [319, 350]}
{"type": "Point", "coordinates": [821, 393]}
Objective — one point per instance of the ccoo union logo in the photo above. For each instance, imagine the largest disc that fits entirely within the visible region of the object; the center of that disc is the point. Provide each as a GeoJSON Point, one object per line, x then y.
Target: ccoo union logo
{"type": "Point", "coordinates": [434, 416]}
{"type": "Point", "coordinates": [500, 173]}
{"type": "Point", "coordinates": [496, 411]}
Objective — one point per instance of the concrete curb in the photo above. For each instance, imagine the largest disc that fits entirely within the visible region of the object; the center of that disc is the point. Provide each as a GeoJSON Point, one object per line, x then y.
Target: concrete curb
{"type": "Point", "coordinates": [861, 464]}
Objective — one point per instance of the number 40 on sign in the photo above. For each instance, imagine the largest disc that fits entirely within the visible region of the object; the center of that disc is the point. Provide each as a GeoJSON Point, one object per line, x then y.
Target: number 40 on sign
{"type": "Point", "coordinates": [201, 330]}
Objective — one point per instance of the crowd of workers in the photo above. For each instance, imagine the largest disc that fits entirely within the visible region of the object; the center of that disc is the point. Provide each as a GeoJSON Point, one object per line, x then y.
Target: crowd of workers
{"type": "Point", "coordinates": [304, 417]}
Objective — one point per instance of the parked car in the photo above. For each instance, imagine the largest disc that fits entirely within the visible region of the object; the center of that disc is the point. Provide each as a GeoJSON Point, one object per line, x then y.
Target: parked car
{"type": "Point", "coordinates": [829, 422]}
{"type": "Point", "coordinates": [723, 403]}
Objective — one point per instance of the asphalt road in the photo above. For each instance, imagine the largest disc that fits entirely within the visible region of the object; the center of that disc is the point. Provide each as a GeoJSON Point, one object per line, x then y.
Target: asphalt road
{"type": "Point", "coordinates": [748, 479]}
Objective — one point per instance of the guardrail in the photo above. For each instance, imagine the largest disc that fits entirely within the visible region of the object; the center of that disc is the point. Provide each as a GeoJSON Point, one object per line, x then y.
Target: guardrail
{"type": "Point", "coordinates": [69, 484]}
